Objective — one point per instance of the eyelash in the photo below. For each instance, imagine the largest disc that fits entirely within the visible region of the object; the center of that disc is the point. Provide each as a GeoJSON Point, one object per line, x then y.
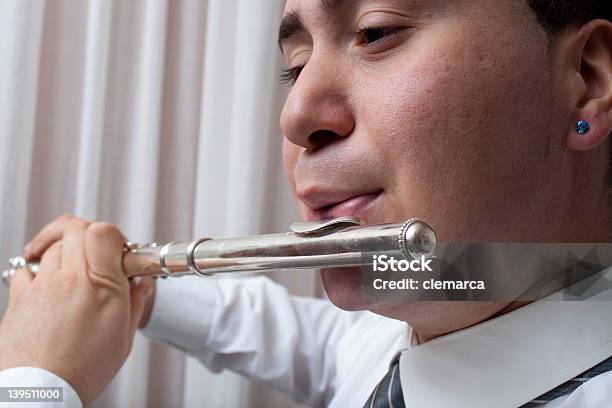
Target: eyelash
{"type": "Point", "coordinates": [385, 31]}
{"type": "Point", "coordinates": [290, 75]}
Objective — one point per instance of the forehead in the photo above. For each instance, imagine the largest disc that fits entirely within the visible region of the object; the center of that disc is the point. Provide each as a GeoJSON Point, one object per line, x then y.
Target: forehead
{"type": "Point", "coordinates": [302, 5]}
{"type": "Point", "coordinates": [312, 13]}
{"type": "Point", "coordinates": [306, 15]}
{"type": "Point", "coordinates": [314, 7]}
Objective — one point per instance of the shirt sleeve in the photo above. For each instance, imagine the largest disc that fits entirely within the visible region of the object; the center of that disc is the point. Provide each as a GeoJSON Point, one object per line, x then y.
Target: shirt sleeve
{"type": "Point", "coordinates": [254, 327]}
{"type": "Point", "coordinates": [37, 377]}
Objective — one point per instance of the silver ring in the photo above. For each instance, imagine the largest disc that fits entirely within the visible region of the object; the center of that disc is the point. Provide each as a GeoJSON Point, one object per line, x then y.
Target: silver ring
{"type": "Point", "coordinates": [191, 262]}
{"type": "Point", "coordinates": [163, 252]}
{"type": "Point", "coordinates": [401, 238]}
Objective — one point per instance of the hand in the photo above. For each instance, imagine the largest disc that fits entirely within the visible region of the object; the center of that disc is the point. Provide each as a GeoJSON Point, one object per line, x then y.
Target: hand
{"type": "Point", "coordinates": [53, 233]}
{"type": "Point", "coordinates": [77, 317]}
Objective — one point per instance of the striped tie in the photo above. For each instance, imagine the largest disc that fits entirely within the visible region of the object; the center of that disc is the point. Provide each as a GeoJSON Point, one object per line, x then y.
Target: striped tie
{"type": "Point", "coordinates": [388, 392]}
{"type": "Point", "coordinates": [571, 385]}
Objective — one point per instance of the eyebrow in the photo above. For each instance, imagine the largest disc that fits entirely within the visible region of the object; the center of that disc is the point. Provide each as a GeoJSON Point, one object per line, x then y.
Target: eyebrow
{"type": "Point", "coordinates": [292, 24]}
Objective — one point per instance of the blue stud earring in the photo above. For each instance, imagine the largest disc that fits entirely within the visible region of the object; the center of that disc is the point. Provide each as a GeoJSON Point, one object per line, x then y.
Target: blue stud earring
{"type": "Point", "coordinates": [582, 127]}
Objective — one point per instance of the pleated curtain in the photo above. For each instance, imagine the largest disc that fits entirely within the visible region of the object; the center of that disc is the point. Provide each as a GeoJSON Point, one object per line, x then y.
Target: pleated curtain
{"type": "Point", "coordinates": [160, 116]}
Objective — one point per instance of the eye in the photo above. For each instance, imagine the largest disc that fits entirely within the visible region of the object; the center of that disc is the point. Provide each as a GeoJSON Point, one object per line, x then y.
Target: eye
{"type": "Point", "coordinates": [374, 35]}
{"type": "Point", "coordinates": [290, 75]}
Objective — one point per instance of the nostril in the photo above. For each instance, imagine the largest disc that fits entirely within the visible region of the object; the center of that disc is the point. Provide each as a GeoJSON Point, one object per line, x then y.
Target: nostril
{"type": "Point", "coordinates": [322, 137]}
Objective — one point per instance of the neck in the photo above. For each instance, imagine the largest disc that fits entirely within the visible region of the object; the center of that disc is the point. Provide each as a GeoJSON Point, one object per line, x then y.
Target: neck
{"type": "Point", "coordinates": [430, 320]}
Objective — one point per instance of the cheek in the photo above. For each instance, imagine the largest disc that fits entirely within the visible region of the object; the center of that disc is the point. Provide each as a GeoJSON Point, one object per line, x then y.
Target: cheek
{"type": "Point", "coordinates": [465, 129]}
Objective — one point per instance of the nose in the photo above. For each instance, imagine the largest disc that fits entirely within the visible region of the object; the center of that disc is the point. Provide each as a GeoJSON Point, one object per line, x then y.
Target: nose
{"type": "Point", "coordinates": [317, 111]}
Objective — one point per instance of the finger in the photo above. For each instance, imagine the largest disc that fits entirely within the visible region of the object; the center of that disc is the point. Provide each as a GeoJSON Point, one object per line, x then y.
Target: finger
{"type": "Point", "coordinates": [139, 295]}
{"type": "Point", "coordinates": [149, 302]}
{"type": "Point", "coordinates": [20, 282]}
{"type": "Point", "coordinates": [104, 251]}
{"type": "Point", "coordinates": [73, 247]}
{"type": "Point", "coordinates": [52, 259]}
{"type": "Point", "coordinates": [51, 233]}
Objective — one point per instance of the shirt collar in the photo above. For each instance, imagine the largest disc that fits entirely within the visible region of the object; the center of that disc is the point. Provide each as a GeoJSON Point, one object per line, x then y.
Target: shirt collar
{"type": "Point", "coordinates": [514, 358]}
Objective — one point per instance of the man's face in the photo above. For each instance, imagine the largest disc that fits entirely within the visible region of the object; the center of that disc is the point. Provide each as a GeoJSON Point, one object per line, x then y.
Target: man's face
{"type": "Point", "coordinates": [437, 109]}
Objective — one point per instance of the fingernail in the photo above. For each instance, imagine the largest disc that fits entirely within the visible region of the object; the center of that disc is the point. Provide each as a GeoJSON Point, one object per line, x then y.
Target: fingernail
{"type": "Point", "coordinates": [27, 249]}
{"type": "Point", "coordinates": [136, 281]}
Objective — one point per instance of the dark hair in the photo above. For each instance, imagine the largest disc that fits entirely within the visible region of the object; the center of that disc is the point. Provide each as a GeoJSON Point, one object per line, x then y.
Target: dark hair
{"type": "Point", "coordinates": [557, 15]}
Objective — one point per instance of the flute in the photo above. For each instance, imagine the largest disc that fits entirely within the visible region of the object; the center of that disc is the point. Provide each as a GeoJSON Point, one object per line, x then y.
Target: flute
{"type": "Point", "coordinates": [340, 242]}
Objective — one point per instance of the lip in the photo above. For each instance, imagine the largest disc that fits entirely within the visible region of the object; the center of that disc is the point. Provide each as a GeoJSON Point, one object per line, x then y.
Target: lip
{"type": "Point", "coordinates": [334, 206]}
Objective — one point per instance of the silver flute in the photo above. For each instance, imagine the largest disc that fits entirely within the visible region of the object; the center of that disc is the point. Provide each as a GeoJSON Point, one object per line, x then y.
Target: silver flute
{"type": "Point", "coordinates": [340, 242]}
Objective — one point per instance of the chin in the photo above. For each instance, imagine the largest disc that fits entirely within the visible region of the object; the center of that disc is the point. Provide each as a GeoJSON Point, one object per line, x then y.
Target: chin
{"type": "Point", "coordinates": [343, 287]}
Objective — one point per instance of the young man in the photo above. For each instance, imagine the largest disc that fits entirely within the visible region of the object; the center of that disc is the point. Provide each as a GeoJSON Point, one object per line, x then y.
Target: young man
{"type": "Point", "coordinates": [489, 119]}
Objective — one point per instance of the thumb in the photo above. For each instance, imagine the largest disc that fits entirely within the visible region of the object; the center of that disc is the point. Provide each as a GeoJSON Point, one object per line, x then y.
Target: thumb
{"type": "Point", "coordinates": [104, 251]}
{"type": "Point", "coordinates": [140, 295]}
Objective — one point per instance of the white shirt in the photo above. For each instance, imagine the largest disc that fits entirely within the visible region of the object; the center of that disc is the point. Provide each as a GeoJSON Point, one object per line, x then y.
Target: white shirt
{"type": "Point", "coordinates": [324, 356]}
{"type": "Point", "coordinates": [36, 377]}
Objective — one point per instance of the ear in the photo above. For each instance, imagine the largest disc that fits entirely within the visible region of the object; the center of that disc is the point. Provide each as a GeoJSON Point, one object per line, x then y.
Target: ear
{"type": "Point", "coordinates": [592, 62]}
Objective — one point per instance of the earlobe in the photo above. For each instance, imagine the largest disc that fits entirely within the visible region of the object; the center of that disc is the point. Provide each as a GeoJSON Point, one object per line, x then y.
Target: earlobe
{"type": "Point", "coordinates": [589, 130]}
{"type": "Point", "coordinates": [593, 107]}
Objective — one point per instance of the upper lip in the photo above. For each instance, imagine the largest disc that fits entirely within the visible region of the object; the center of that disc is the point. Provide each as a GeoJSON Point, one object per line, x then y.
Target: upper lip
{"type": "Point", "coordinates": [318, 199]}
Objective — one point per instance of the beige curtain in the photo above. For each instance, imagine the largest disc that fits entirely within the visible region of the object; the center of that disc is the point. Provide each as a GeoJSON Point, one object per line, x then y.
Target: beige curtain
{"type": "Point", "coordinates": [160, 116]}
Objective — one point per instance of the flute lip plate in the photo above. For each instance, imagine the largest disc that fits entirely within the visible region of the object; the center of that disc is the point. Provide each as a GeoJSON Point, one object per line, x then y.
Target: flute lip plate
{"type": "Point", "coordinates": [324, 227]}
